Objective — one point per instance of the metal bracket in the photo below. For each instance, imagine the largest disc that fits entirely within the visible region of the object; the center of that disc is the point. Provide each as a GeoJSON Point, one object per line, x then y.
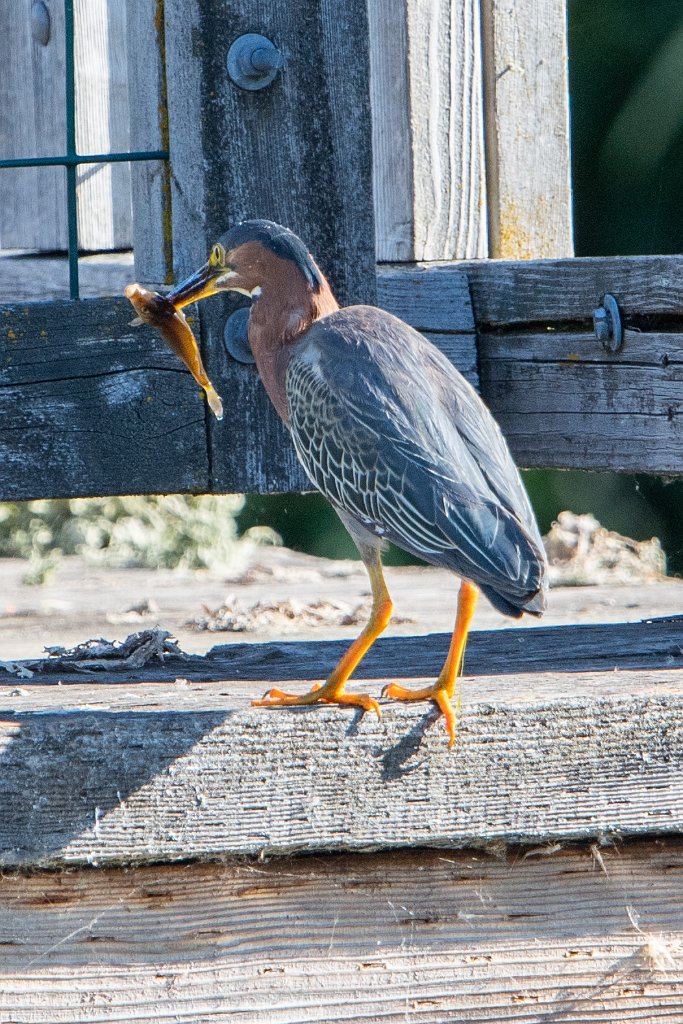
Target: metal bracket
{"type": "Point", "coordinates": [236, 336]}
{"type": "Point", "coordinates": [253, 61]}
{"type": "Point", "coordinates": [607, 324]}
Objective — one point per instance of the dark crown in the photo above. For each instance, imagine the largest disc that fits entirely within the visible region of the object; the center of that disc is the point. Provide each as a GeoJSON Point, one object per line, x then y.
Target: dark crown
{"type": "Point", "coordinates": [279, 240]}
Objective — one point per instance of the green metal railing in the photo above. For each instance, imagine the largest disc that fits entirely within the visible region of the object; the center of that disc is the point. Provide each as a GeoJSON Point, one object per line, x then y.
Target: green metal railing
{"type": "Point", "coordinates": [72, 159]}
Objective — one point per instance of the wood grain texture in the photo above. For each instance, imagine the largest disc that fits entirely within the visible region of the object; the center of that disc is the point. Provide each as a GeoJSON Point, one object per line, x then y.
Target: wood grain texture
{"type": "Point", "coordinates": [510, 292]}
{"type": "Point", "coordinates": [32, 123]}
{"type": "Point", "coordinates": [576, 935]}
{"type": "Point", "coordinates": [527, 129]}
{"type": "Point", "coordinates": [89, 405]}
{"type": "Point", "coordinates": [298, 152]}
{"type": "Point", "coordinates": [103, 123]}
{"type": "Point", "coordinates": [427, 129]}
{"type": "Point", "coordinates": [551, 747]}
{"type": "Point", "coordinates": [428, 297]}
{"type": "Point", "coordinates": [151, 180]}
{"type": "Point", "coordinates": [563, 401]}
{"type": "Point", "coordinates": [33, 212]}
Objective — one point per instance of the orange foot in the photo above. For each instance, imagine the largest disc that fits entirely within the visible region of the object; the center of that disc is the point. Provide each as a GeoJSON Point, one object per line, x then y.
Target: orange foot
{"type": "Point", "coordinates": [318, 694]}
{"type": "Point", "coordinates": [438, 692]}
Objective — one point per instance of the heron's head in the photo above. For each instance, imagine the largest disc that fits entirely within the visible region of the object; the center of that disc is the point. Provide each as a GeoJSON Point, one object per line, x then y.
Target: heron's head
{"type": "Point", "coordinates": [251, 258]}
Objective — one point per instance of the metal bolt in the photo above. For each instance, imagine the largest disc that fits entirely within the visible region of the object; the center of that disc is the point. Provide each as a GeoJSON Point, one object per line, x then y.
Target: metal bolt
{"type": "Point", "coordinates": [40, 22]}
{"type": "Point", "coordinates": [236, 336]}
{"type": "Point", "coordinates": [253, 61]}
{"type": "Point", "coordinates": [607, 324]}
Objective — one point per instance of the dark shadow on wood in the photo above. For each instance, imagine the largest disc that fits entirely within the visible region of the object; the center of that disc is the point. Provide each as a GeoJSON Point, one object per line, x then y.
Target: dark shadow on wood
{"type": "Point", "coordinates": [104, 757]}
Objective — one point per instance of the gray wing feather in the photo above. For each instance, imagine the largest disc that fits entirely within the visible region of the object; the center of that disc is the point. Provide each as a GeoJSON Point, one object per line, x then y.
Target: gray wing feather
{"type": "Point", "coordinates": [394, 436]}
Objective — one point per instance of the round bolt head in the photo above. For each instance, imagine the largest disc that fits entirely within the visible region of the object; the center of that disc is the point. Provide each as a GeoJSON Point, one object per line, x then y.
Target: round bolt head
{"type": "Point", "coordinates": [236, 336]}
{"type": "Point", "coordinates": [607, 324]}
{"type": "Point", "coordinates": [40, 23]}
{"type": "Point", "coordinates": [253, 61]}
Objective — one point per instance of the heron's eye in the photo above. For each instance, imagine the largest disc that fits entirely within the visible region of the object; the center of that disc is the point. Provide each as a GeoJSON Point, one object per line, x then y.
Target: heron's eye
{"type": "Point", "coordinates": [217, 257]}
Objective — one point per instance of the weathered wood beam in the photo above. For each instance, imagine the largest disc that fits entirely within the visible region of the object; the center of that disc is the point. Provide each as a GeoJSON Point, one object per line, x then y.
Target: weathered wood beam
{"type": "Point", "coordinates": [527, 129]}
{"type": "Point", "coordinates": [90, 405]}
{"type": "Point", "coordinates": [510, 292]}
{"type": "Point", "coordinates": [427, 129]}
{"type": "Point", "coordinates": [563, 401]}
{"type": "Point", "coordinates": [297, 152]}
{"type": "Point", "coordinates": [564, 734]}
{"type": "Point", "coordinates": [591, 934]}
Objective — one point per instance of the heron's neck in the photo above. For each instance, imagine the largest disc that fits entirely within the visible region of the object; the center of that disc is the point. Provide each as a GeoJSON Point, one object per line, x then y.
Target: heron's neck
{"type": "Point", "coordinates": [281, 314]}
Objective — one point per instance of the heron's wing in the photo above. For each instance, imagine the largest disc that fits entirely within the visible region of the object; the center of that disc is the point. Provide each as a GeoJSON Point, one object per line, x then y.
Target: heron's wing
{"type": "Point", "coordinates": [376, 417]}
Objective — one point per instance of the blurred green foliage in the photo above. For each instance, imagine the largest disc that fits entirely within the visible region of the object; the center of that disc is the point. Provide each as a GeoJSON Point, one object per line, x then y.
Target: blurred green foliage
{"type": "Point", "coordinates": [170, 531]}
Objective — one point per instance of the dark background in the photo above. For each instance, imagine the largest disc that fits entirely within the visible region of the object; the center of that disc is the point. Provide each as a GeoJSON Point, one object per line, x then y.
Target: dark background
{"type": "Point", "coordinates": [626, 96]}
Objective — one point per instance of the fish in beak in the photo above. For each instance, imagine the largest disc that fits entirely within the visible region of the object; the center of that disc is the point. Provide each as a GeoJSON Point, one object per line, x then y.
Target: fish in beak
{"type": "Point", "coordinates": [164, 313]}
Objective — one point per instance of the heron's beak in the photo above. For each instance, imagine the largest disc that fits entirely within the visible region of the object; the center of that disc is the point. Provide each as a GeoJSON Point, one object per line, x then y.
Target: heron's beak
{"type": "Point", "coordinates": [200, 285]}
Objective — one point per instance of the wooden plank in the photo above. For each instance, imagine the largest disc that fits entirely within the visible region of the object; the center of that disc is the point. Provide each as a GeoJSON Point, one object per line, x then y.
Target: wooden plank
{"type": "Point", "coordinates": [299, 151]}
{"type": "Point", "coordinates": [102, 123]}
{"type": "Point", "coordinates": [90, 406]}
{"type": "Point", "coordinates": [563, 401]}
{"type": "Point", "coordinates": [33, 212]}
{"type": "Point", "coordinates": [610, 648]}
{"type": "Point", "coordinates": [510, 292]}
{"type": "Point", "coordinates": [429, 298]}
{"type": "Point", "coordinates": [550, 747]}
{"type": "Point", "coordinates": [527, 129]}
{"type": "Point", "coordinates": [151, 180]}
{"type": "Point", "coordinates": [571, 934]}
{"type": "Point", "coordinates": [427, 137]}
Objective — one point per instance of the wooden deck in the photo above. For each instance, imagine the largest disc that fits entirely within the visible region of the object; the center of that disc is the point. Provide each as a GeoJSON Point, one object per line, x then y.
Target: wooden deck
{"type": "Point", "coordinates": [533, 874]}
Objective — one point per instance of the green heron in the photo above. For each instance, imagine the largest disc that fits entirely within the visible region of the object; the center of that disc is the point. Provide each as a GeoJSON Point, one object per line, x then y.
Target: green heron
{"type": "Point", "coordinates": [393, 436]}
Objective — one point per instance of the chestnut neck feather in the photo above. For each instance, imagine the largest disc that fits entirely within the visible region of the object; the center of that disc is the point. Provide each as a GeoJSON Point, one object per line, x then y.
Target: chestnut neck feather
{"type": "Point", "coordinates": [280, 316]}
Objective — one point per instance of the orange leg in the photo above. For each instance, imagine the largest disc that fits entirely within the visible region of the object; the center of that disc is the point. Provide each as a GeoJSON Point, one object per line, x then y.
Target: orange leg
{"type": "Point", "coordinates": [333, 690]}
{"type": "Point", "coordinates": [443, 690]}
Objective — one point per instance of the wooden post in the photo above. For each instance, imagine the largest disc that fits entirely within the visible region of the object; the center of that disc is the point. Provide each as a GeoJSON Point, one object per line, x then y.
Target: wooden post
{"type": "Point", "coordinates": [33, 123]}
{"type": "Point", "coordinates": [297, 152]}
{"type": "Point", "coordinates": [428, 129]}
{"type": "Point", "coordinates": [527, 129]}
